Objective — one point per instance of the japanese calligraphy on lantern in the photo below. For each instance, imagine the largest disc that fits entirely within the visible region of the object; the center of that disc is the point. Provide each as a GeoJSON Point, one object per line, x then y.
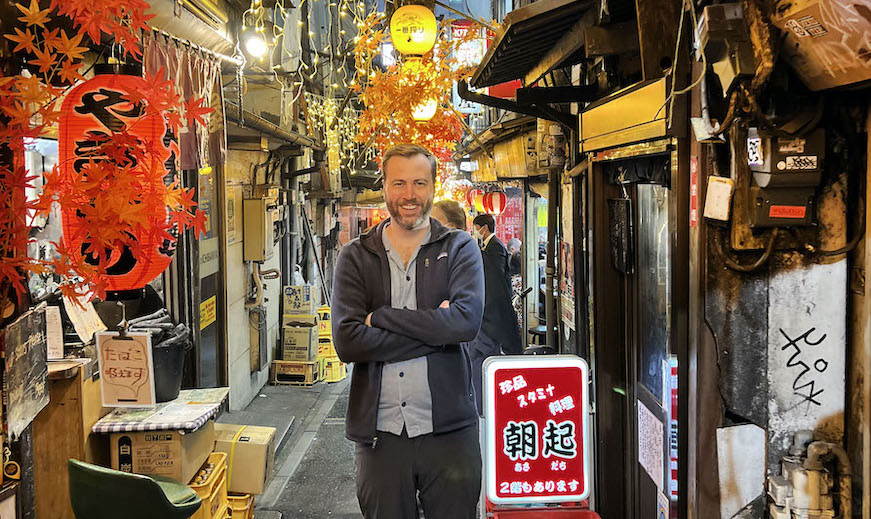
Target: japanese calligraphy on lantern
{"type": "Point", "coordinates": [95, 113]}
{"type": "Point", "coordinates": [126, 370]}
{"type": "Point", "coordinates": [535, 414]}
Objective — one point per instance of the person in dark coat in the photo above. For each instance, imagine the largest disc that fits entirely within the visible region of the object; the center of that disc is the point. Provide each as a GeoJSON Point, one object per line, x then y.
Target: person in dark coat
{"type": "Point", "coordinates": [499, 332]}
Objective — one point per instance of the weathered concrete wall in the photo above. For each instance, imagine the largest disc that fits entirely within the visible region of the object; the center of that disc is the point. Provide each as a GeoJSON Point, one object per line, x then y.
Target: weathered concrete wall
{"type": "Point", "coordinates": [736, 311]}
{"type": "Point", "coordinates": [807, 338]}
{"type": "Point", "coordinates": [245, 385]}
{"type": "Point", "coordinates": [781, 336]}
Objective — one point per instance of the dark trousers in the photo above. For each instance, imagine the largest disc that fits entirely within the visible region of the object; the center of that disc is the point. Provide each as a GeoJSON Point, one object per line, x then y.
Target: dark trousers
{"type": "Point", "coordinates": [480, 348]}
{"type": "Point", "coordinates": [445, 469]}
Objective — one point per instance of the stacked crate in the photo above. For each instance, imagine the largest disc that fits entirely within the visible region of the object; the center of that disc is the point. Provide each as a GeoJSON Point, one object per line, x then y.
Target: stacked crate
{"type": "Point", "coordinates": [334, 368]}
{"type": "Point", "coordinates": [301, 364]}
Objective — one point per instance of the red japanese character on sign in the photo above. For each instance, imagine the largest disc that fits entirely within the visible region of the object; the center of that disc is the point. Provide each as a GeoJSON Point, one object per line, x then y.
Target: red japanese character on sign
{"type": "Point", "coordinates": [535, 421]}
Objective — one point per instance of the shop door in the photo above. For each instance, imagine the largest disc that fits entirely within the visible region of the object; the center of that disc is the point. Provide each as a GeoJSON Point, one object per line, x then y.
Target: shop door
{"type": "Point", "coordinates": [634, 336]}
{"type": "Point", "coordinates": [649, 319]}
{"type": "Point", "coordinates": [211, 365]}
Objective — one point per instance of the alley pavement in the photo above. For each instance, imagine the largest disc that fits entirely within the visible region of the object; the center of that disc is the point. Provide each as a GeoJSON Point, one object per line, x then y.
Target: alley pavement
{"type": "Point", "coordinates": [314, 476]}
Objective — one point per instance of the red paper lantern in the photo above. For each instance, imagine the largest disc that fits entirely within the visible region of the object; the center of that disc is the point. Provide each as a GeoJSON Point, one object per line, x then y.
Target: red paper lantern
{"type": "Point", "coordinates": [471, 195]}
{"type": "Point", "coordinates": [97, 108]}
{"type": "Point", "coordinates": [495, 203]}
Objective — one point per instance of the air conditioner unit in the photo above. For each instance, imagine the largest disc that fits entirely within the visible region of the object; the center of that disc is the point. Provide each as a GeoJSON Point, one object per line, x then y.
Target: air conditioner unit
{"type": "Point", "coordinates": [207, 11]}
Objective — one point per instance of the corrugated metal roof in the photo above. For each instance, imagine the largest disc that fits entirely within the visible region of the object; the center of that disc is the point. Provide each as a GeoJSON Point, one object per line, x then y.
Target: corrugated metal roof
{"type": "Point", "coordinates": [527, 34]}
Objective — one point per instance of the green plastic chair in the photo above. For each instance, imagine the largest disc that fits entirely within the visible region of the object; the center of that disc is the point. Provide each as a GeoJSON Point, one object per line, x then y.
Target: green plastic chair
{"type": "Point", "coordinates": [101, 493]}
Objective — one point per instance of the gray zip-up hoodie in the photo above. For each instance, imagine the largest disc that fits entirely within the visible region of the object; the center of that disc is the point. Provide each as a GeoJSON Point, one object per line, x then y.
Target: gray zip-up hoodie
{"type": "Point", "coordinates": [449, 267]}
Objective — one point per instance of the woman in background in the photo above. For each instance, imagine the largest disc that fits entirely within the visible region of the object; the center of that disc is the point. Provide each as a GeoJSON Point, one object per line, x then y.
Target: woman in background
{"type": "Point", "coordinates": [450, 214]}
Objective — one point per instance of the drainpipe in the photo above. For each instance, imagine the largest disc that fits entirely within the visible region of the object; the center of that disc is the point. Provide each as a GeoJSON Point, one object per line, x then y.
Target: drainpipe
{"type": "Point", "coordinates": [553, 196]}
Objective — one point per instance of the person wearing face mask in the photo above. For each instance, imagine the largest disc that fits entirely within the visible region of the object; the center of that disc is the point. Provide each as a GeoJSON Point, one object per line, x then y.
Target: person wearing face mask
{"type": "Point", "coordinates": [499, 331]}
{"type": "Point", "coordinates": [405, 296]}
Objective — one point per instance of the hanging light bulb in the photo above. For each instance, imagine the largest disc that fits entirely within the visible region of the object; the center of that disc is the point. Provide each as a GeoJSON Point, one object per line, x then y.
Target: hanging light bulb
{"type": "Point", "coordinates": [425, 111]}
{"type": "Point", "coordinates": [256, 46]}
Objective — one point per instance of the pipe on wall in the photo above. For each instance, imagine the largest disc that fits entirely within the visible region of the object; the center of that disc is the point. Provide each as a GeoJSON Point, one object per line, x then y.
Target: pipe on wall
{"type": "Point", "coordinates": [252, 120]}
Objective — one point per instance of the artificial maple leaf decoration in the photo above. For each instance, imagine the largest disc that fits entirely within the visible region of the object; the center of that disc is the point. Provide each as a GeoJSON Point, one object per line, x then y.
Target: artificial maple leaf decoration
{"type": "Point", "coordinates": [390, 96]}
{"type": "Point", "coordinates": [194, 111]}
{"type": "Point", "coordinates": [122, 191]}
{"type": "Point", "coordinates": [24, 39]}
{"type": "Point", "coordinates": [69, 47]}
{"type": "Point", "coordinates": [32, 14]}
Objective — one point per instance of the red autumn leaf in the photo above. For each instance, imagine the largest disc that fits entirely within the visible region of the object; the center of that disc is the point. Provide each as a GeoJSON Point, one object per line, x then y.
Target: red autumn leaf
{"type": "Point", "coordinates": [194, 111]}
{"type": "Point", "coordinates": [198, 224]}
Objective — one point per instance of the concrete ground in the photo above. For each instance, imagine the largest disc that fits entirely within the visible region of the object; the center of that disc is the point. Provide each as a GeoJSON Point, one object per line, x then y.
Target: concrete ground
{"type": "Point", "coordinates": [314, 476]}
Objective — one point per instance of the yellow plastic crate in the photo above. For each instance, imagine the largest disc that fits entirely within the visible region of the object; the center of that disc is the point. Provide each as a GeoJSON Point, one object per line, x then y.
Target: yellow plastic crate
{"type": "Point", "coordinates": [325, 328]}
{"type": "Point", "coordinates": [326, 349]}
{"type": "Point", "coordinates": [336, 370]}
{"type": "Point", "coordinates": [241, 506]}
{"type": "Point", "coordinates": [297, 373]}
{"type": "Point", "coordinates": [212, 490]}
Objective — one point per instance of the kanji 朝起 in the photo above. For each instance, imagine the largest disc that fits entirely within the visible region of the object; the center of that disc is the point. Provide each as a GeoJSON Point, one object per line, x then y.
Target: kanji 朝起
{"type": "Point", "coordinates": [520, 440]}
{"type": "Point", "coordinates": [559, 440]}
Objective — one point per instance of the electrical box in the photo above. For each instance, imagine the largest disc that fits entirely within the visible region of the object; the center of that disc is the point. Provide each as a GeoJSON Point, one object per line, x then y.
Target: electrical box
{"type": "Point", "coordinates": [786, 172]}
{"type": "Point", "coordinates": [257, 222]}
{"type": "Point", "coordinates": [724, 39]}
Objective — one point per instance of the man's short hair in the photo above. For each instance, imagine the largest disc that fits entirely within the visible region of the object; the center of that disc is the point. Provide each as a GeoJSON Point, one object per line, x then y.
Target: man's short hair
{"type": "Point", "coordinates": [453, 212]}
{"type": "Point", "coordinates": [485, 219]}
{"type": "Point", "coordinates": [408, 151]}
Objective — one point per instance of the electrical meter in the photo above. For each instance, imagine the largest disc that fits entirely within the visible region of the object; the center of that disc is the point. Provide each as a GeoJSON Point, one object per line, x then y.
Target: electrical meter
{"type": "Point", "coordinates": [786, 173]}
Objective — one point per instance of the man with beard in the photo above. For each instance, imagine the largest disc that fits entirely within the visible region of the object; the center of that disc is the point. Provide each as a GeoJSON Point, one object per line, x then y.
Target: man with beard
{"type": "Point", "coordinates": [405, 295]}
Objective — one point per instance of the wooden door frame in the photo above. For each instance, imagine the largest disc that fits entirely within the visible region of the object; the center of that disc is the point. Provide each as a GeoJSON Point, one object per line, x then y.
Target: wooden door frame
{"type": "Point", "coordinates": [613, 363]}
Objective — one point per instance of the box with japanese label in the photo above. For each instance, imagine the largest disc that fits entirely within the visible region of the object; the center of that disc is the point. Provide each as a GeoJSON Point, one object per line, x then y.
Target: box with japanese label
{"type": "Point", "coordinates": [300, 343]}
{"type": "Point", "coordinates": [174, 454]}
{"type": "Point", "coordinates": [301, 299]}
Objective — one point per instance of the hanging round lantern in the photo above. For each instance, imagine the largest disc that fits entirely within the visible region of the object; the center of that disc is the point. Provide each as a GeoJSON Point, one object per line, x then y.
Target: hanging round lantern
{"type": "Point", "coordinates": [413, 29]}
{"type": "Point", "coordinates": [495, 202]}
{"type": "Point", "coordinates": [425, 110]}
{"type": "Point", "coordinates": [479, 202]}
{"type": "Point", "coordinates": [471, 195]}
{"type": "Point", "coordinates": [92, 112]}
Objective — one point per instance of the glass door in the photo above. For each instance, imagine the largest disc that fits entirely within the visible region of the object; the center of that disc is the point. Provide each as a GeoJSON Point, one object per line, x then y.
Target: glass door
{"type": "Point", "coordinates": [651, 323]}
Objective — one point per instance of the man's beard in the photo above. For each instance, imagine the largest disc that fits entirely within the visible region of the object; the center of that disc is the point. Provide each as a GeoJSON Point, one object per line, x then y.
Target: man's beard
{"type": "Point", "coordinates": [396, 216]}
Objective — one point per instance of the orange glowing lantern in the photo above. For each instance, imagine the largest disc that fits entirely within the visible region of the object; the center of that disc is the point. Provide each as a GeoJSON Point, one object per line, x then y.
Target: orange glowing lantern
{"type": "Point", "coordinates": [479, 203]}
{"type": "Point", "coordinates": [413, 29]}
{"type": "Point", "coordinates": [495, 203]}
{"type": "Point", "coordinates": [92, 112]}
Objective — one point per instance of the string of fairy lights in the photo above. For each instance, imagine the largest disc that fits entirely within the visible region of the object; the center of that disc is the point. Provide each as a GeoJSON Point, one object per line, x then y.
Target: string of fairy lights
{"type": "Point", "coordinates": [344, 148]}
{"type": "Point", "coordinates": [333, 29]}
{"type": "Point", "coordinates": [258, 21]}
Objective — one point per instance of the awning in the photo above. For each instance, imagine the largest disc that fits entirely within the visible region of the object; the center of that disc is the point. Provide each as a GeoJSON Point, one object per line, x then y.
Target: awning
{"type": "Point", "coordinates": [536, 39]}
{"type": "Point", "coordinates": [494, 134]}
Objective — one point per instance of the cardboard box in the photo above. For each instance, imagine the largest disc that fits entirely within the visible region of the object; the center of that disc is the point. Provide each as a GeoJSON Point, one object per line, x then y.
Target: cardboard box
{"type": "Point", "coordinates": [299, 320]}
{"type": "Point", "coordinates": [174, 454]}
{"type": "Point", "coordinates": [301, 299]}
{"type": "Point", "coordinates": [300, 343]}
{"type": "Point", "coordinates": [250, 464]}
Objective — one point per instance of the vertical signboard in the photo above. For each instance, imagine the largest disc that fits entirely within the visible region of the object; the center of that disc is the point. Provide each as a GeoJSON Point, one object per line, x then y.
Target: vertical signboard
{"type": "Point", "coordinates": [535, 414]}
